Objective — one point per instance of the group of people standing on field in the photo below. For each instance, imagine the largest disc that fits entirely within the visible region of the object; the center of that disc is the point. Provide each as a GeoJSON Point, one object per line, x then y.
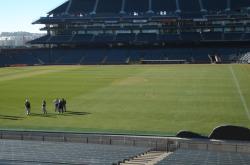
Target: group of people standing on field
{"type": "Point", "coordinates": [60, 106]}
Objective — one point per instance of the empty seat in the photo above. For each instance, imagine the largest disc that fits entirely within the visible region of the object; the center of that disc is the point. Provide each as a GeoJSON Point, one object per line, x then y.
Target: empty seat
{"type": "Point", "coordinates": [125, 37]}
{"type": "Point", "coordinates": [104, 6]}
{"type": "Point", "coordinates": [41, 40]}
{"type": "Point", "coordinates": [104, 38]}
{"type": "Point", "coordinates": [189, 6]}
{"type": "Point", "coordinates": [214, 5]}
{"type": "Point", "coordinates": [246, 36]}
{"type": "Point", "coordinates": [83, 38]}
{"type": "Point", "coordinates": [163, 5]}
{"type": "Point", "coordinates": [60, 39]}
{"type": "Point", "coordinates": [169, 38]}
{"type": "Point", "coordinates": [136, 6]}
{"type": "Point", "coordinates": [116, 59]}
{"type": "Point", "coordinates": [233, 36]}
{"type": "Point", "coordinates": [190, 36]}
{"type": "Point", "coordinates": [147, 37]}
{"type": "Point", "coordinates": [212, 36]}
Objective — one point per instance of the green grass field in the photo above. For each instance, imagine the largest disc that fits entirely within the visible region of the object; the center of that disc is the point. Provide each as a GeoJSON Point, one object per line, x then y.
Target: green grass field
{"type": "Point", "coordinates": [137, 99]}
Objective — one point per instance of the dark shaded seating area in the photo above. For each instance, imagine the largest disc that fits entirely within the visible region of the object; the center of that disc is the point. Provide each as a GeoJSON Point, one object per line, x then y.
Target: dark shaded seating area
{"type": "Point", "coordinates": [115, 55]}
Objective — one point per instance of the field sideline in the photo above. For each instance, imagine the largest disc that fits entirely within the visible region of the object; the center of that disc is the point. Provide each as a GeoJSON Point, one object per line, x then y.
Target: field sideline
{"type": "Point", "coordinates": [136, 99]}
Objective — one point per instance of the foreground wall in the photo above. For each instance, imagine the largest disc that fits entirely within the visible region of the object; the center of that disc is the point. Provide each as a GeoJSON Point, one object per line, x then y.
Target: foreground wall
{"type": "Point", "coordinates": [154, 142]}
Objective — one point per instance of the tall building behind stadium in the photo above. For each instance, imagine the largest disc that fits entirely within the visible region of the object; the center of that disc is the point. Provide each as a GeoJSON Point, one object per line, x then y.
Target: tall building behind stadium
{"type": "Point", "coordinates": [143, 31]}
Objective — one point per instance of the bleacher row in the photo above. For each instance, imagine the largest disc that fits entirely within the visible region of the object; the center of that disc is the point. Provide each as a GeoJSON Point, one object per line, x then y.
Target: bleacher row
{"type": "Point", "coordinates": [147, 6]}
{"type": "Point", "coordinates": [200, 157]}
{"type": "Point", "coordinates": [142, 38]}
{"type": "Point", "coordinates": [93, 56]}
{"type": "Point", "coordinates": [46, 153]}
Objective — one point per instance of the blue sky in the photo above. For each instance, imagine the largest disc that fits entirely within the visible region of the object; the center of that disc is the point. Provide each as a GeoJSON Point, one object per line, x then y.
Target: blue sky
{"type": "Point", "coordinates": [17, 15]}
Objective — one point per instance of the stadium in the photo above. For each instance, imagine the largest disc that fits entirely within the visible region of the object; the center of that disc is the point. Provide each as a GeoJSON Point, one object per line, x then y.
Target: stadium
{"type": "Point", "coordinates": [146, 82]}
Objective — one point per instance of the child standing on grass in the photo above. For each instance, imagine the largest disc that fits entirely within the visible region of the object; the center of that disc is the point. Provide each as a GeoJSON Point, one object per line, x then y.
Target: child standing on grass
{"type": "Point", "coordinates": [27, 107]}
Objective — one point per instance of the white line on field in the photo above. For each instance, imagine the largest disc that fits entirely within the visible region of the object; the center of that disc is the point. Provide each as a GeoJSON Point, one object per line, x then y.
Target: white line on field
{"type": "Point", "coordinates": [242, 98]}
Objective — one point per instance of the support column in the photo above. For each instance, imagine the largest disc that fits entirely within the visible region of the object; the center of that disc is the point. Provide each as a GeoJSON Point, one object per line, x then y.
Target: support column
{"type": "Point", "coordinates": [150, 7]}
{"type": "Point", "coordinates": [201, 6]}
{"type": "Point", "coordinates": [228, 5]}
{"type": "Point", "coordinates": [123, 7]}
{"type": "Point", "coordinates": [178, 10]}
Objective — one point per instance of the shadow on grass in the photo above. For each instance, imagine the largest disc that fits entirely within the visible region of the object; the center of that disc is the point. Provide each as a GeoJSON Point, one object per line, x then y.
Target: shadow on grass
{"type": "Point", "coordinates": [7, 117]}
{"type": "Point", "coordinates": [71, 113]}
{"type": "Point", "coordinates": [53, 115]}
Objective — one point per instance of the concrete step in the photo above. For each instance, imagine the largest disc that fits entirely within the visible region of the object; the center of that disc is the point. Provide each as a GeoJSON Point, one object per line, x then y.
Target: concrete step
{"type": "Point", "coordinates": [148, 158]}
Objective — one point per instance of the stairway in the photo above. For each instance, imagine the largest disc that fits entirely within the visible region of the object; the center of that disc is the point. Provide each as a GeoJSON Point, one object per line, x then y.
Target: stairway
{"type": "Point", "coordinates": [148, 158]}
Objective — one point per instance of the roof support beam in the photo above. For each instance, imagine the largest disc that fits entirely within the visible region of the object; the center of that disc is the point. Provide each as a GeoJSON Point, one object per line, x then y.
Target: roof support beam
{"type": "Point", "coordinates": [95, 7]}
{"type": "Point", "coordinates": [68, 7]}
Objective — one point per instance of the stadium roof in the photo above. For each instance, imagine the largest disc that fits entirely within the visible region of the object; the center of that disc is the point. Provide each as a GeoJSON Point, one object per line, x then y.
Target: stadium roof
{"type": "Point", "coordinates": [147, 6]}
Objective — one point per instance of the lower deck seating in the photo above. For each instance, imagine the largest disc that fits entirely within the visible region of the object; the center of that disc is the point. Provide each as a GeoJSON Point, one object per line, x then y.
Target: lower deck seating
{"type": "Point", "coordinates": [212, 36]}
{"type": "Point", "coordinates": [44, 153]}
{"type": "Point", "coordinates": [93, 56]}
{"type": "Point", "coordinates": [202, 157]}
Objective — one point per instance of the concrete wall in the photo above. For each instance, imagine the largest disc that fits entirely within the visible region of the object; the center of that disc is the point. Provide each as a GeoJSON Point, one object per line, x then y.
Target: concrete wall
{"type": "Point", "coordinates": [155, 143]}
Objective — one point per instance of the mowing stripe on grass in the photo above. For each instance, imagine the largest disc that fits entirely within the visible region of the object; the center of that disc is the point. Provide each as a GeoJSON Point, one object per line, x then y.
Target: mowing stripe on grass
{"type": "Point", "coordinates": [242, 98]}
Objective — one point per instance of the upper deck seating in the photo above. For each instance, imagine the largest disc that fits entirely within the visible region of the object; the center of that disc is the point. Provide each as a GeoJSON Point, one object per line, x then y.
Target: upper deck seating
{"type": "Point", "coordinates": [139, 6]}
{"type": "Point", "coordinates": [163, 5]}
{"type": "Point", "coordinates": [109, 6]}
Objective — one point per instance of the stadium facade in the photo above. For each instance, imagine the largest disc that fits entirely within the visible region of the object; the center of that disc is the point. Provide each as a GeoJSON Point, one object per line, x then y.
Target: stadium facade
{"type": "Point", "coordinates": [144, 31]}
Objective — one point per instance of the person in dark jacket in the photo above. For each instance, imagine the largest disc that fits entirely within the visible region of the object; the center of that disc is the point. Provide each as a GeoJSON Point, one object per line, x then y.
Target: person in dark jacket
{"type": "Point", "coordinates": [44, 107]}
{"type": "Point", "coordinates": [27, 106]}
